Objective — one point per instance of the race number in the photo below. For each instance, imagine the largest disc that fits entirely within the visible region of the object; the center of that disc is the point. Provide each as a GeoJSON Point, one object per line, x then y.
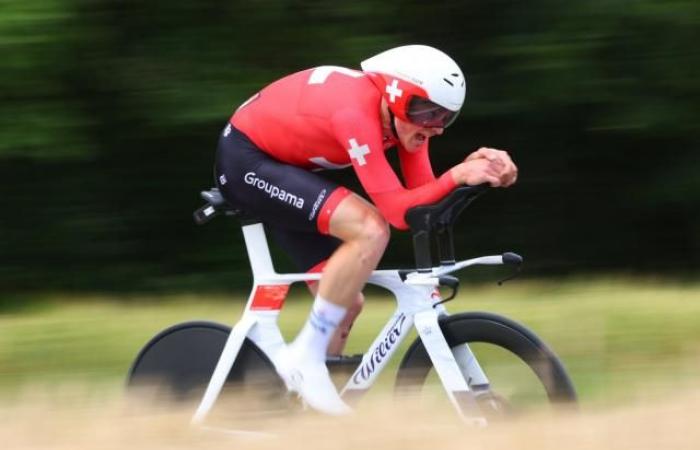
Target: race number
{"type": "Point", "coordinates": [320, 74]}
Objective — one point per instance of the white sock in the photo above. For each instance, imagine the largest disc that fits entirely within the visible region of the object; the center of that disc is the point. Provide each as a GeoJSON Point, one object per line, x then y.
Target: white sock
{"type": "Point", "coordinates": [314, 338]}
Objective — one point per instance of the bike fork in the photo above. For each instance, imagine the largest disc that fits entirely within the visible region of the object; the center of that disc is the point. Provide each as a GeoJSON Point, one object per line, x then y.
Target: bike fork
{"type": "Point", "coordinates": [470, 368]}
{"type": "Point", "coordinates": [467, 362]}
{"type": "Point", "coordinates": [449, 371]}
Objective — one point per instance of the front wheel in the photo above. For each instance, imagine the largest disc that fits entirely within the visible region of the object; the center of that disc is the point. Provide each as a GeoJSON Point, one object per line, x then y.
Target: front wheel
{"type": "Point", "coordinates": [521, 369]}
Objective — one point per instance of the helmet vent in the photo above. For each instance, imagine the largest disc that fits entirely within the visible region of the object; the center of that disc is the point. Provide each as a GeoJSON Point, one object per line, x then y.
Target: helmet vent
{"type": "Point", "coordinates": [448, 82]}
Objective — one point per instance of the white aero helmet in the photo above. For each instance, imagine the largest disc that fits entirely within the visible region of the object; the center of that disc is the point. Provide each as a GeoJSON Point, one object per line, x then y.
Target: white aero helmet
{"type": "Point", "coordinates": [421, 84]}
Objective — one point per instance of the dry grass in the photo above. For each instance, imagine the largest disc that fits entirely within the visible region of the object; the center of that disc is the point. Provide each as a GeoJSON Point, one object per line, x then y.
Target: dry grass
{"type": "Point", "coordinates": [69, 419]}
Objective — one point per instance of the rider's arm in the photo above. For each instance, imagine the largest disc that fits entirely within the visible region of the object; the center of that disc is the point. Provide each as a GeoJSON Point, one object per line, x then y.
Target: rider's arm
{"type": "Point", "coordinates": [363, 141]}
{"type": "Point", "coordinates": [415, 166]}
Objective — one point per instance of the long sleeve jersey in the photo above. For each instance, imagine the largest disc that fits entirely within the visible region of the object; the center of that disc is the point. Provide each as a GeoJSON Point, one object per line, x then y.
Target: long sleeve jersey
{"type": "Point", "coordinates": [329, 118]}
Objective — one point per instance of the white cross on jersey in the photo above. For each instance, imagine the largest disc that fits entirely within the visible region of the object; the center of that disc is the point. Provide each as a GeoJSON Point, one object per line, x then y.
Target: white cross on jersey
{"type": "Point", "coordinates": [358, 152]}
{"type": "Point", "coordinates": [394, 91]}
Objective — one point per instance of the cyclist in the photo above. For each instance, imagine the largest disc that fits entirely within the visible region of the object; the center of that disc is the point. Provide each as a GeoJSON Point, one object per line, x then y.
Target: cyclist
{"type": "Point", "coordinates": [329, 118]}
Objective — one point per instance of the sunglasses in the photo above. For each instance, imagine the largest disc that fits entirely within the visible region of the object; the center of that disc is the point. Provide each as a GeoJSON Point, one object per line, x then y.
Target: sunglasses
{"type": "Point", "coordinates": [424, 113]}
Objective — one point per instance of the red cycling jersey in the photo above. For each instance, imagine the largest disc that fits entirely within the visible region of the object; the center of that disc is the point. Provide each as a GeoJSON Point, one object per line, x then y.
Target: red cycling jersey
{"type": "Point", "coordinates": [329, 117]}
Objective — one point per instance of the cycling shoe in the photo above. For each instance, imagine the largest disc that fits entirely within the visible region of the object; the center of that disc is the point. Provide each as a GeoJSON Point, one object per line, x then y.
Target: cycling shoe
{"type": "Point", "coordinates": [311, 380]}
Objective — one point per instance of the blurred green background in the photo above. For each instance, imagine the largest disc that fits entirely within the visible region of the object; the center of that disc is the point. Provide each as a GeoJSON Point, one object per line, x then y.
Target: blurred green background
{"type": "Point", "coordinates": [110, 111]}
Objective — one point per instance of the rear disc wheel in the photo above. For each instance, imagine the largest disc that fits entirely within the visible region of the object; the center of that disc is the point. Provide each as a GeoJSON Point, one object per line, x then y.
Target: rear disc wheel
{"type": "Point", "coordinates": [177, 364]}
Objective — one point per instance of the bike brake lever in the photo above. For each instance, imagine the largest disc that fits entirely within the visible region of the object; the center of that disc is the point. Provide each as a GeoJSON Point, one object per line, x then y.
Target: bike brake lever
{"type": "Point", "coordinates": [512, 259]}
{"type": "Point", "coordinates": [451, 282]}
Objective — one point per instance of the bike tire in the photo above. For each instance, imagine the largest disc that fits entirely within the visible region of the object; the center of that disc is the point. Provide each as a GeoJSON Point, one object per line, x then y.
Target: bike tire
{"type": "Point", "coordinates": [479, 327]}
{"type": "Point", "coordinates": [178, 362]}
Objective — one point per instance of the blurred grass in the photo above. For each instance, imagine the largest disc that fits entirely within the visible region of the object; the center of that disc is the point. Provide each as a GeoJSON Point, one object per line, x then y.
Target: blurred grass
{"type": "Point", "coordinates": [621, 340]}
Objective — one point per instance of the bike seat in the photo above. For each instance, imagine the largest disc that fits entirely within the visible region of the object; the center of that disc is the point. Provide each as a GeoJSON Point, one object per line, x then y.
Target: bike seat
{"type": "Point", "coordinates": [216, 204]}
{"type": "Point", "coordinates": [214, 197]}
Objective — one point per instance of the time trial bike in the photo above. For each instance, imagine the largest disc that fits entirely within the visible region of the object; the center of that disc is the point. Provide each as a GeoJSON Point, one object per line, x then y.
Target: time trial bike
{"type": "Point", "coordinates": [201, 359]}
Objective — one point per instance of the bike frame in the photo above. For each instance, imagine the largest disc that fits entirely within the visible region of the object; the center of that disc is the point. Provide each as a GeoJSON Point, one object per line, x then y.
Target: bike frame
{"type": "Point", "coordinates": [418, 305]}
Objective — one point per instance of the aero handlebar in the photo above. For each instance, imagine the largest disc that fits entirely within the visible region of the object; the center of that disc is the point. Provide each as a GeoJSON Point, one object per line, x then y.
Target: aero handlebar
{"type": "Point", "coordinates": [439, 218]}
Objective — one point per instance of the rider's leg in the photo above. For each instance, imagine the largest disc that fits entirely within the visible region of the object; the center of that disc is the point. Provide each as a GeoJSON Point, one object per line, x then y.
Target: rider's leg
{"type": "Point", "coordinates": [339, 339]}
{"type": "Point", "coordinates": [310, 252]}
{"type": "Point", "coordinates": [364, 234]}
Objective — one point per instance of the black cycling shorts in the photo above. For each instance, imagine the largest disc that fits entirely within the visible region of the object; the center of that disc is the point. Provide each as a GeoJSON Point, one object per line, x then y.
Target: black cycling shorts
{"type": "Point", "coordinates": [294, 204]}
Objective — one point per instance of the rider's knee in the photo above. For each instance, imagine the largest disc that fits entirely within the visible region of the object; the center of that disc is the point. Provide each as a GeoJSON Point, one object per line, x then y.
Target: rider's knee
{"type": "Point", "coordinates": [375, 229]}
{"type": "Point", "coordinates": [373, 237]}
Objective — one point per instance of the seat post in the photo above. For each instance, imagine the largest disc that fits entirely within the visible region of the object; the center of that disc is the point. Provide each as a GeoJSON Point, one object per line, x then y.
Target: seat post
{"type": "Point", "coordinates": [258, 250]}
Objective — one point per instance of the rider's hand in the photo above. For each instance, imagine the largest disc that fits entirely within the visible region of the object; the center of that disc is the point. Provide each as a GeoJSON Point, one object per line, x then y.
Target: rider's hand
{"type": "Point", "coordinates": [486, 165]}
